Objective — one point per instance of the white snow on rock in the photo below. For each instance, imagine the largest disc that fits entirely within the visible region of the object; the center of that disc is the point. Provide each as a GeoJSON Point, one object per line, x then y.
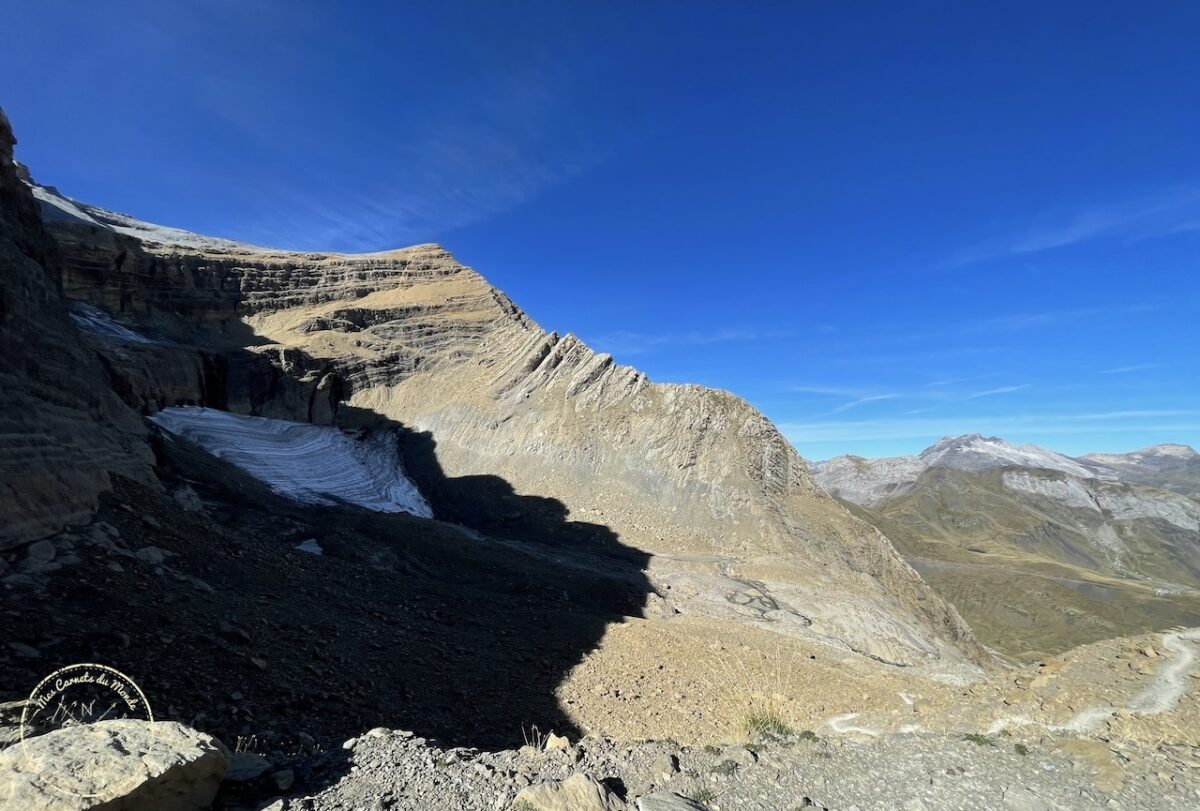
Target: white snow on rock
{"type": "Point", "coordinates": [56, 207]}
{"type": "Point", "coordinates": [976, 452]}
{"type": "Point", "coordinates": [311, 547]}
{"type": "Point", "coordinates": [312, 464]}
{"type": "Point", "coordinates": [94, 320]}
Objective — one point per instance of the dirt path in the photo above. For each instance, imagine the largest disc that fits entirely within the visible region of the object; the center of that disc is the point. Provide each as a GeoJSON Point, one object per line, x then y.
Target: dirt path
{"type": "Point", "coordinates": [1162, 693]}
{"type": "Point", "coordinates": [1169, 684]}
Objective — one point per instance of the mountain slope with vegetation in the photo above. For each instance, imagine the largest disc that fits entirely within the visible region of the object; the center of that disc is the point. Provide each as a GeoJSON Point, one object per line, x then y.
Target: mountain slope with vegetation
{"type": "Point", "coordinates": [1039, 551]}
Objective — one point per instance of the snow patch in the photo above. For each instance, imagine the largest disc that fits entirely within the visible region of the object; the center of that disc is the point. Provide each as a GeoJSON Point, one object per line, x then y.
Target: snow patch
{"type": "Point", "coordinates": [975, 452]}
{"type": "Point", "coordinates": [56, 207]}
{"type": "Point", "coordinates": [312, 464]}
{"type": "Point", "coordinates": [94, 320]}
{"type": "Point", "coordinates": [311, 547]}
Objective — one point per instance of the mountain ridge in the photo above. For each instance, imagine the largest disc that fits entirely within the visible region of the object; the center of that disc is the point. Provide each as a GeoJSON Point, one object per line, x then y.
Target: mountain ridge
{"type": "Point", "coordinates": [1110, 543]}
{"type": "Point", "coordinates": [413, 339]}
{"type": "Point", "coordinates": [977, 452]}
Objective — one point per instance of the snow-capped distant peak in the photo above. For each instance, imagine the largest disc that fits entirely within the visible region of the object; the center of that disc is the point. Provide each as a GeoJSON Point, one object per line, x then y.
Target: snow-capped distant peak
{"type": "Point", "coordinates": [1169, 449]}
{"type": "Point", "coordinates": [977, 452]}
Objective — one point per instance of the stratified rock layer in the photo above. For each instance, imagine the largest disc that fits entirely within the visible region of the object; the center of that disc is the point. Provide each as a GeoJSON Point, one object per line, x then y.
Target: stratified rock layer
{"type": "Point", "coordinates": [62, 430]}
{"type": "Point", "coordinates": [412, 340]}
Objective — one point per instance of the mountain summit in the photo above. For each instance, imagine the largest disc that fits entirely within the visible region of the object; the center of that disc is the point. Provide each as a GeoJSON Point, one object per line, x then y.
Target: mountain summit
{"type": "Point", "coordinates": [478, 397]}
{"type": "Point", "coordinates": [976, 452]}
{"type": "Point", "coordinates": [1107, 541]}
{"type": "Point", "coordinates": [865, 481]}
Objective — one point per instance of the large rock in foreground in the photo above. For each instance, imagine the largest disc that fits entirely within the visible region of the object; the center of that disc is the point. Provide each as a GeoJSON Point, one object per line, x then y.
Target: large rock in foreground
{"type": "Point", "coordinates": [577, 793]}
{"type": "Point", "coordinates": [119, 765]}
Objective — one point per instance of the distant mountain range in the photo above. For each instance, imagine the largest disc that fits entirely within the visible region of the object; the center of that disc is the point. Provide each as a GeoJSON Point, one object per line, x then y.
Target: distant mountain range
{"type": "Point", "coordinates": [1040, 551]}
{"type": "Point", "coordinates": [865, 481]}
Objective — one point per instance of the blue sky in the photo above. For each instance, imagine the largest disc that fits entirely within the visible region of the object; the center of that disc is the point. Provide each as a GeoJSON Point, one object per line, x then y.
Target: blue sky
{"type": "Point", "coordinates": [878, 222]}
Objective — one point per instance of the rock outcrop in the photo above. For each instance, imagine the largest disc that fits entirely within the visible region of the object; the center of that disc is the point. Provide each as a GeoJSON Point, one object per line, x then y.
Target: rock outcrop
{"type": "Point", "coordinates": [414, 342]}
{"type": "Point", "coordinates": [120, 765]}
{"type": "Point", "coordinates": [63, 431]}
{"type": "Point", "coordinates": [579, 792]}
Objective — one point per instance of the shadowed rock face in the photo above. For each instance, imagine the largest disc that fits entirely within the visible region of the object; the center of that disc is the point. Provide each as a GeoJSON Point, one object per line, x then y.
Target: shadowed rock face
{"type": "Point", "coordinates": [414, 337]}
{"type": "Point", "coordinates": [62, 430]}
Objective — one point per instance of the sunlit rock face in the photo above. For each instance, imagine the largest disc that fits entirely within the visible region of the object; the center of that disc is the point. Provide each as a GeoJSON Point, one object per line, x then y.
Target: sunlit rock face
{"type": "Point", "coordinates": [312, 464]}
{"type": "Point", "coordinates": [412, 341]}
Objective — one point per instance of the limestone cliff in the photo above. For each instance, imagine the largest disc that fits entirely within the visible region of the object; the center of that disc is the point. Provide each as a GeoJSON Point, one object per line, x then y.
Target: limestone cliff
{"type": "Point", "coordinates": [414, 340]}
{"type": "Point", "coordinates": [62, 430]}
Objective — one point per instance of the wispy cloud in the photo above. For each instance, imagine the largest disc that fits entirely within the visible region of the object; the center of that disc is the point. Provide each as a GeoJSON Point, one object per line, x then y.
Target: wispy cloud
{"type": "Point", "coordinates": [445, 178]}
{"type": "Point", "coordinates": [1043, 319]}
{"type": "Point", "coordinates": [956, 380]}
{"type": "Point", "coordinates": [995, 391]}
{"type": "Point", "coordinates": [831, 391]}
{"type": "Point", "coordinates": [490, 140]}
{"type": "Point", "coordinates": [874, 398]}
{"type": "Point", "coordinates": [1139, 367]}
{"type": "Point", "coordinates": [637, 343]}
{"type": "Point", "coordinates": [940, 391]}
{"type": "Point", "coordinates": [1170, 211]}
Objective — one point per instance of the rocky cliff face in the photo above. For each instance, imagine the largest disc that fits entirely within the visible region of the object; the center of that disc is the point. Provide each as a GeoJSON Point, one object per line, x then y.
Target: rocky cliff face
{"type": "Point", "coordinates": [414, 341]}
{"type": "Point", "coordinates": [63, 431]}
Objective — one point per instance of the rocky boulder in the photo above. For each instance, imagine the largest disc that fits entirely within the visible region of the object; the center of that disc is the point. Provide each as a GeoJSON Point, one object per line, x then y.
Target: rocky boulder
{"type": "Point", "coordinates": [667, 801]}
{"type": "Point", "coordinates": [577, 793]}
{"type": "Point", "coordinates": [120, 765]}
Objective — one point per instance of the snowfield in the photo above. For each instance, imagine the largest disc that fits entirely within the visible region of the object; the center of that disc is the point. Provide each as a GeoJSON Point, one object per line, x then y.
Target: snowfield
{"type": "Point", "coordinates": [312, 464]}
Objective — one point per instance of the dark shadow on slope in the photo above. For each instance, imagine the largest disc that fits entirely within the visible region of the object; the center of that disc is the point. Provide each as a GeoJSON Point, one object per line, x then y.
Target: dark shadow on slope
{"type": "Point", "coordinates": [460, 633]}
